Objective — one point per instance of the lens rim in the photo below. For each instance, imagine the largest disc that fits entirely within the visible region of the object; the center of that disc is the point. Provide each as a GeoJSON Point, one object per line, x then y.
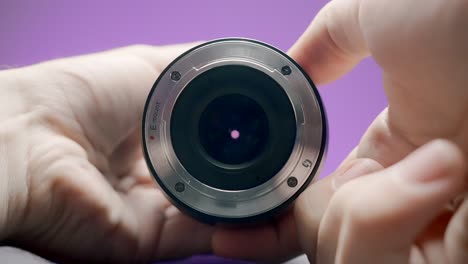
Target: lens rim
{"type": "Point", "coordinates": [214, 205]}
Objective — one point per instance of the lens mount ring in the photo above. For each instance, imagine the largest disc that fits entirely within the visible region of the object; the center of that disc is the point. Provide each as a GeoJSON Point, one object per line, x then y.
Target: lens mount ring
{"type": "Point", "coordinates": [214, 204]}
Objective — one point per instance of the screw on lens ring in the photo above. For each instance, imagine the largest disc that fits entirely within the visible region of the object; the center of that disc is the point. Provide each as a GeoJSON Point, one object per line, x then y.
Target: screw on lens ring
{"type": "Point", "coordinates": [286, 70]}
{"type": "Point", "coordinates": [179, 187]}
{"type": "Point", "coordinates": [292, 181]}
{"type": "Point", "coordinates": [175, 75]}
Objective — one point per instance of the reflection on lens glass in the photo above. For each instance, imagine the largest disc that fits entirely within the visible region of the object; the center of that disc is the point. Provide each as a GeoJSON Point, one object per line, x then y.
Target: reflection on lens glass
{"type": "Point", "coordinates": [233, 129]}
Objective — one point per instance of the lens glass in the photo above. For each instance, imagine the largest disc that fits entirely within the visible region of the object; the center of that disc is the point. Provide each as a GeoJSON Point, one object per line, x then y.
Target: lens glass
{"type": "Point", "coordinates": [233, 129]}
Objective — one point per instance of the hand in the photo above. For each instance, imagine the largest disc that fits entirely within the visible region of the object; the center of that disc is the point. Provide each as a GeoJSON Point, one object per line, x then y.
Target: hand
{"type": "Point", "coordinates": [70, 149]}
{"type": "Point", "coordinates": [421, 47]}
{"type": "Point", "coordinates": [395, 214]}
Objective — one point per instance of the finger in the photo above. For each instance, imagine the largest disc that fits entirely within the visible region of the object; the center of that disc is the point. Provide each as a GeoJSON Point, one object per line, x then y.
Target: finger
{"type": "Point", "coordinates": [273, 242]}
{"type": "Point", "coordinates": [376, 218]}
{"type": "Point", "coordinates": [333, 44]}
{"type": "Point", "coordinates": [311, 205]}
{"type": "Point", "coordinates": [162, 231]}
{"type": "Point", "coordinates": [456, 239]}
{"type": "Point", "coordinates": [106, 91]}
{"type": "Point", "coordinates": [279, 241]}
{"type": "Point", "coordinates": [183, 236]}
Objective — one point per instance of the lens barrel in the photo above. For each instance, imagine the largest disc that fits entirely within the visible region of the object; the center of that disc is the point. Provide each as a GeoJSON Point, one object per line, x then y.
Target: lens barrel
{"type": "Point", "coordinates": [233, 131]}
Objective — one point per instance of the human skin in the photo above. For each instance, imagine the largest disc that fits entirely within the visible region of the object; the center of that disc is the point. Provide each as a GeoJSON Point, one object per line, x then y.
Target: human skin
{"type": "Point", "coordinates": [68, 123]}
{"type": "Point", "coordinates": [73, 181]}
{"type": "Point", "coordinates": [387, 202]}
{"type": "Point", "coordinates": [74, 186]}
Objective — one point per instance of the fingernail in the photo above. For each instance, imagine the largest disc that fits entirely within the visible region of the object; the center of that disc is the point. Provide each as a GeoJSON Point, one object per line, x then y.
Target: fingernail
{"type": "Point", "coordinates": [360, 167]}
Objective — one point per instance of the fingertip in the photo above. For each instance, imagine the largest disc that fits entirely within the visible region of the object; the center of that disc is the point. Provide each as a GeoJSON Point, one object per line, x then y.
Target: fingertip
{"type": "Point", "coordinates": [439, 159]}
{"type": "Point", "coordinates": [449, 153]}
{"type": "Point", "coordinates": [333, 43]}
{"type": "Point", "coordinates": [356, 168]}
{"type": "Point", "coordinates": [409, 194]}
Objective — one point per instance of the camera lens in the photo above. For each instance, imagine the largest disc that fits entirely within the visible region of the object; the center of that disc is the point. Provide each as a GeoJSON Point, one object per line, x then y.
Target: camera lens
{"type": "Point", "coordinates": [233, 129]}
{"type": "Point", "coordinates": [229, 126]}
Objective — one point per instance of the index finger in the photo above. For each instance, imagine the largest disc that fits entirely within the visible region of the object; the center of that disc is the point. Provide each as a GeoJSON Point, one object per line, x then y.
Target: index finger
{"type": "Point", "coordinates": [333, 43]}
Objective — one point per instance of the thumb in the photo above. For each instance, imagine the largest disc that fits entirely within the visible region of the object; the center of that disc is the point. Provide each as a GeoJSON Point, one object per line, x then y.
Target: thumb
{"type": "Point", "coordinates": [376, 218]}
{"type": "Point", "coordinates": [333, 44]}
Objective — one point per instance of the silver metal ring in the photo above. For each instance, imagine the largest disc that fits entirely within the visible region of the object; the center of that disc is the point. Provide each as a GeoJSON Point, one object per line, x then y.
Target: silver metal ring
{"type": "Point", "coordinates": [214, 204]}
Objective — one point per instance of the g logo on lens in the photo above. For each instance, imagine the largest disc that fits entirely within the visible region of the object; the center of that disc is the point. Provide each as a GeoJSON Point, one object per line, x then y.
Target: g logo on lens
{"type": "Point", "coordinates": [227, 128]}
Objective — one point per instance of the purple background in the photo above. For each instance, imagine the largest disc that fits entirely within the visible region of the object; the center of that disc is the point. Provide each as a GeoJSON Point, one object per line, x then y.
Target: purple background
{"type": "Point", "coordinates": [33, 31]}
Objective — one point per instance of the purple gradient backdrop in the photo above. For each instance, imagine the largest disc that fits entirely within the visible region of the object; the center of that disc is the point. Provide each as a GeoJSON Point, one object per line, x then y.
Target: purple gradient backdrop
{"type": "Point", "coordinates": [33, 31]}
